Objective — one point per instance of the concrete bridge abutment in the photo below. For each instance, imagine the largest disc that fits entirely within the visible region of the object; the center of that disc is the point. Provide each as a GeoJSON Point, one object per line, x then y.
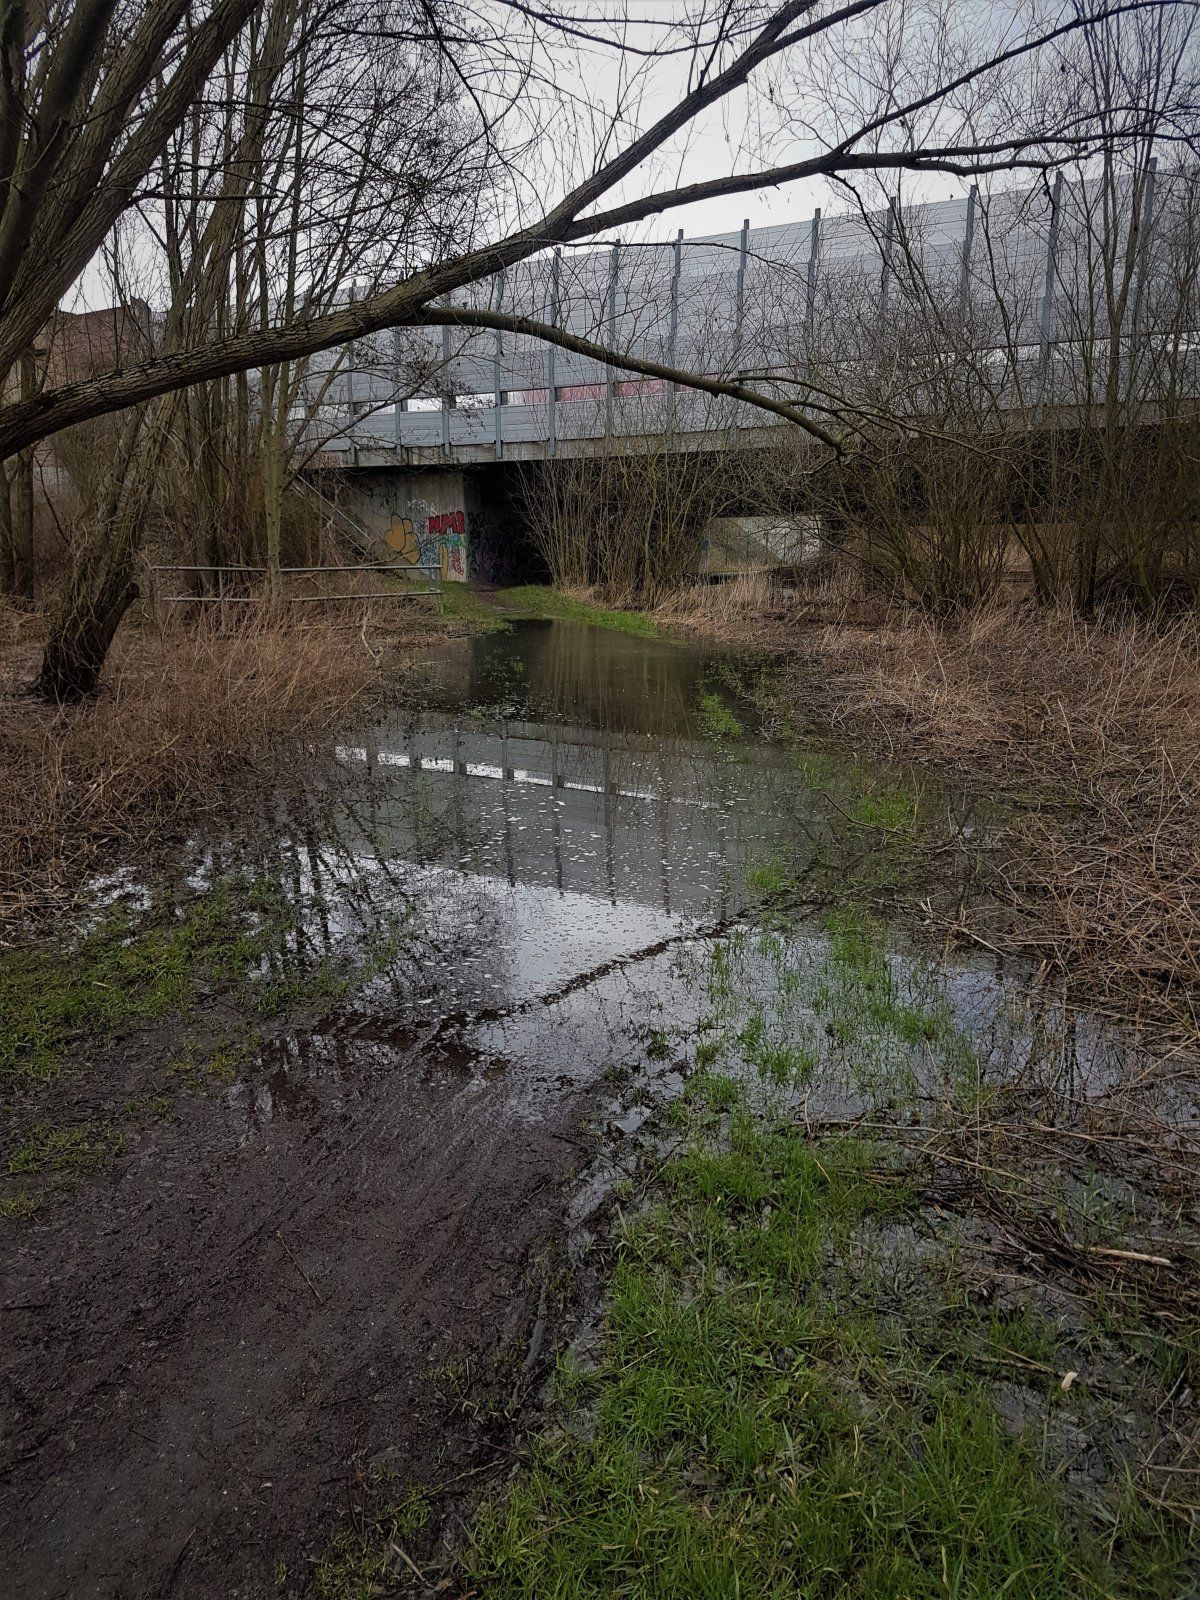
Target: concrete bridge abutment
{"type": "Point", "coordinates": [466, 521]}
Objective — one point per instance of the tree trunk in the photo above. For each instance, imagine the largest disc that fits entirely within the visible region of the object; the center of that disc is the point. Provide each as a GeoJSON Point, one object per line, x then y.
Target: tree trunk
{"type": "Point", "coordinates": [16, 512]}
{"type": "Point", "coordinates": [21, 525]}
{"type": "Point", "coordinates": [101, 591]}
{"type": "Point", "coordinates": [102, 584]}
{"type": "Point", "coordinates": [8, 549]}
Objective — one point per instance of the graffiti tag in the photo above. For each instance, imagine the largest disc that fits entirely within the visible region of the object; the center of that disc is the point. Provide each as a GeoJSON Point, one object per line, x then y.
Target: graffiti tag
{"type": "Point", "coordinates": [403, 538]}
{"type": "Point", "coordinates": [449, 528]}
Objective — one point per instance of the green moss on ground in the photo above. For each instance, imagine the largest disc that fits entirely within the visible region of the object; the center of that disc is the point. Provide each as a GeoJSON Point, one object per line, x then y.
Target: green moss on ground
{"type": "Point", "coordinates": [212, 972]}
{"type": "Point", "coordinates": [538, 602]}
{"type": "Point", "coordinates": [717, 720]}
{"type": "Point", "coordinates": [128, 970]}
{"type": "Point", "coordinates": [132, 968]}
{"type": "Point", "coordinates": [462, 603]}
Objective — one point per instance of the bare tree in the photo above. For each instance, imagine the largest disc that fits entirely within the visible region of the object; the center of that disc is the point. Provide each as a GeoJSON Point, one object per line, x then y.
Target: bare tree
{"type": "Point", "coordinates": [92, 94]}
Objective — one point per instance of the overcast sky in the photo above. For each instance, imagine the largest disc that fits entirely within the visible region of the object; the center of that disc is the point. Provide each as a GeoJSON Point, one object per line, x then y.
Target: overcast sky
{"type": "Point", "coordinates": [776, 120]}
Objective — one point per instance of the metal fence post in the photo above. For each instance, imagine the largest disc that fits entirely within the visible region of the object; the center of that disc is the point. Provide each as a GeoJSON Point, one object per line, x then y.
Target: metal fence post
{"type": "Point", "coordinates": [889, 239]}
{"type": "Point", "coordinates": [609, 381]}
{"type": "Point", "coordinates": [1145, 224]}
{"type": "Point", "coordinates": [673, 324]}
{"type": "Point", "coordinates": [738, 319]}
{"type": "Point", "coordinates": [964, 287]}
{"type": "Point", "coordinates": [446, 380]}
{"type": "Point", "coordinates": [1051, 270]}
{"type": "Point", "coordinates": [551, 375]}
{"type": "Point", "coordinates": [497, 395]}
{"type": "Point", "coordinates": [810, 288]}
{"type": "Point", "coordinates": [743, 252]}
{"type": "Point", "coordinates": [397, 402]}
{"type": "Point", "coordinates": [673, 327]}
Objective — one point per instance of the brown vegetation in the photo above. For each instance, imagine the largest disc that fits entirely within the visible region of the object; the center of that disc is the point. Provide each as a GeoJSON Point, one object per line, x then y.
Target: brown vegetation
{"type": "Point", "coordinates": [1089, 731]}
{"type": "Point", "coordinates": [182, 717]}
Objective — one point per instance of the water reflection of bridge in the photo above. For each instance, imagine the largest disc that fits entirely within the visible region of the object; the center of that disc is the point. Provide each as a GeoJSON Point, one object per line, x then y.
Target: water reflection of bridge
{"type": "Point", "coordinates": [672, 823]}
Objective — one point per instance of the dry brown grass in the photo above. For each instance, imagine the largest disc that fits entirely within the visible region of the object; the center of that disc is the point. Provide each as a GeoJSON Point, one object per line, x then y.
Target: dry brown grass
{"type": "Point", "coordinates": [1095, 729]}
{"type": "Point", "coordinates": [182, 718]}
{"type": "Point", "coordinates": [720, 608]}
{"type": "Point", "coordinates": [1090, 729]}
{"type": "Point", "coordinates": [766, 611]}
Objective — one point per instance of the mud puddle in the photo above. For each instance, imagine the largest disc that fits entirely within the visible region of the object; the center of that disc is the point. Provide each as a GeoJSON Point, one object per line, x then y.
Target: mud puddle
{"type": "Point", "coordinates": [499, 924]}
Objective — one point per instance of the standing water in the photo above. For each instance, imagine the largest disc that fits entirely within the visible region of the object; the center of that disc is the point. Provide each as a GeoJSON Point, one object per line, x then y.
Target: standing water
{"type": "Point", "coordinates": [444, 978]}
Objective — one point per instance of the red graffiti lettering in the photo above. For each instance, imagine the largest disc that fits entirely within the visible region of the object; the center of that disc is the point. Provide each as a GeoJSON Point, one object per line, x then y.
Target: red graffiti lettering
{"type": "Point", "coordinates": [447, 522]}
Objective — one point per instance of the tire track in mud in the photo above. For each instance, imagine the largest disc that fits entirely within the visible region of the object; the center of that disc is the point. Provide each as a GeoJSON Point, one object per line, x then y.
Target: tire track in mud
{"type": "Point", "coordinates": [451, 1226]}
{"type": "Point", "coordinates": [269, 1309]}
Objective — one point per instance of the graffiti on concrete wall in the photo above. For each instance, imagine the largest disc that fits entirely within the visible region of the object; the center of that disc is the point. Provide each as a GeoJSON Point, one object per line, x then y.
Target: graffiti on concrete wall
{"type": "Point", "coordinates": [404, 539]}
{"type": "Point", "coordinates": [448, 530]}
{"type": "Point", "coordinates": [441, 543]}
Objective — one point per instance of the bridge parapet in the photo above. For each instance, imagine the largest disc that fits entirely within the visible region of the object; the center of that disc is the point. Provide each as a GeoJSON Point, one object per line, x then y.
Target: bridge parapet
{"type": "Point", "coordinates": [1019, 285]}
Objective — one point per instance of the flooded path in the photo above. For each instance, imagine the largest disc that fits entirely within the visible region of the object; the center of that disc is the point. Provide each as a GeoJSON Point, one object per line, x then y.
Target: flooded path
{"type": "Point", "coordinates": [342, 1251]}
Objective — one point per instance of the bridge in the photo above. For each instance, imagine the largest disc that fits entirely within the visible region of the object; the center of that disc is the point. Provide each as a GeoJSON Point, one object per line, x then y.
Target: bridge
{"type": "Point", "coordinates": [1011, 295]}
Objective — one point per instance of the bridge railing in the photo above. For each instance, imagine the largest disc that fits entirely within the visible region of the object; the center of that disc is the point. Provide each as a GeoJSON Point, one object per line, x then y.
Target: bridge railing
{"type": "Point", "coordinates": [1019, 284]}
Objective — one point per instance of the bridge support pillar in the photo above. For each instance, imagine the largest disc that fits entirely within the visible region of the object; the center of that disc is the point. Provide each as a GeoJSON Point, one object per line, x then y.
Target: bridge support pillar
{"type": "Point", "coordinates": [419, 517]}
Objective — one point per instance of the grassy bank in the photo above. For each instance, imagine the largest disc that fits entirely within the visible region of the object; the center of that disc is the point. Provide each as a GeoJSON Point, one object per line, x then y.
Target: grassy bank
{"type": "Point", "coordinates": [539, 602]}
{"type": "Point", "coordinates": [887, 1316]}
{"type": "Point", "coordinates": [1088, 731]}
{"type": "Point", "coordinates": [841, 1356]}
{"type": "Point", "coordinates": [465, 607]}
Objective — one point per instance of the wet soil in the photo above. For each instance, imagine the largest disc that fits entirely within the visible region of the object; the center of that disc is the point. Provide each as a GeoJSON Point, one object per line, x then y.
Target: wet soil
{"type": "Point", "coordinates": [284, 1281]}
{"type": "Point", "coordinates": [208, 1346]}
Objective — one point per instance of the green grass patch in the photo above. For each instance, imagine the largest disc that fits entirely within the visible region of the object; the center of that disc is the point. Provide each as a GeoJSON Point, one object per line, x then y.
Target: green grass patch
{"type": "Point", "coordinates": [771, 877]}
{"type": "Point", "coordinates": [800, 1392]}
{"type": "Point", "coordinates": [538, 602]}
{"type": "Point", "coordinates": [361, 1559]}
{"type": "Point", "coordinates": [131, 969]}
{"type": "Point", "coordinates": [463, 603]}
{"type": "Point", "coordinates": [716, 718]}
{"type": "Point", "coordinates": [222, 1058]}
{"type": "Point", "coordinates": [64, 1153]}
{"type": "Point", "coordinates": [769, 1421]}
{"type": "Point", "coordinates": [128, 970]}
{"type": "Point", "coordinates": [219, 969]}
{"type": "Point", "coordinates": [50, 1159]}
{"type": "Point", "coordinates": [892, 809]}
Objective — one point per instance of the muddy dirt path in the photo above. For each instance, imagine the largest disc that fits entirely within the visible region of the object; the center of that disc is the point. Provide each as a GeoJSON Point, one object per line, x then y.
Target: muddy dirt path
{"type": "Point", "coordinates": [287, 1281]}
{"type": "Point", "coordinates": [209, 1346]}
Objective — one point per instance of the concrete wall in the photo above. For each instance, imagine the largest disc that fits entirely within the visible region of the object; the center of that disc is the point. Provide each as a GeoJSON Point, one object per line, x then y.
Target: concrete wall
{"type": "Point", "coordinates": [420, 517]}
{"type": "Point", "coordinates": [469, 523]}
